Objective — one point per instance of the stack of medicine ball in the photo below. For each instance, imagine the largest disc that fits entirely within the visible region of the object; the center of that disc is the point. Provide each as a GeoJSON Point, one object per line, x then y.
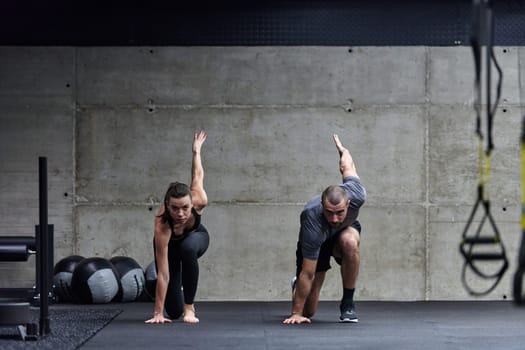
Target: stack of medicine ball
{"type": "Point", "coordinates": [97, 280]}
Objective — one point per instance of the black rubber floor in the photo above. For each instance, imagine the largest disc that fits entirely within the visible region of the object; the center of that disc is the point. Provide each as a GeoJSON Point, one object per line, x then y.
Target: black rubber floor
{"type": "Point", "coordinates": [382, 325]}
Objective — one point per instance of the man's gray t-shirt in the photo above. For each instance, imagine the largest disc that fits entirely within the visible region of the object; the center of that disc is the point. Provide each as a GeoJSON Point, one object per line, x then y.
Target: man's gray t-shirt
{"type": "Point", "coordinates": [315, 229]}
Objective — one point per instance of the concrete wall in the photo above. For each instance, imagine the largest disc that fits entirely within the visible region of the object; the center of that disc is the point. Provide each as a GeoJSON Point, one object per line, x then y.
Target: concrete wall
{"type": "Point", "coordinates": [117, 123]}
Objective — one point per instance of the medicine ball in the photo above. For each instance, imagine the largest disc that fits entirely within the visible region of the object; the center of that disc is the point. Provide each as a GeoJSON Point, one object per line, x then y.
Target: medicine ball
{"type": "Point", "coordinates": [95, 281]}
{"type": "Point", "coordinates": [151, 280]}
{"type": "Point", "coordinates": [62, 274]}
{"type": "Point", "coordinates": [131, 276]}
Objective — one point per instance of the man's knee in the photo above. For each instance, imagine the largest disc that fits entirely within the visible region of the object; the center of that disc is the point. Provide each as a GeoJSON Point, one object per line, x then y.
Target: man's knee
{"type": "Point", "coordinates": [349, 245]}
{"type": "Point", "coordinates": [349, 242]}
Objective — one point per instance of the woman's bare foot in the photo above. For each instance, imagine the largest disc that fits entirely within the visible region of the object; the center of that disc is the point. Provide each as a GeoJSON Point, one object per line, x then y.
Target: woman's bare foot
{"type": "Point", "coordinates": [189, 314]}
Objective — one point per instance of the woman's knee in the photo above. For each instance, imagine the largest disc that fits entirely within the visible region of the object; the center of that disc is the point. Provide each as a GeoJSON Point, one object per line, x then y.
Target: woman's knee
{"type": "Point", "coordinates": [173, 306]}
{"type": "Point", "coordinates": [174, 312]}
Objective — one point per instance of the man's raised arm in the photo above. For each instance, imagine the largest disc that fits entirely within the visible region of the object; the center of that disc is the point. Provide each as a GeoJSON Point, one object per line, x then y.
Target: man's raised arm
{"type": "Point", "coordinates": [346, 163]}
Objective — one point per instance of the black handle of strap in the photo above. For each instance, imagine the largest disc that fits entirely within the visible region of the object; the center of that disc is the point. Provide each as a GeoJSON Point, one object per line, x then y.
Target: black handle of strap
{"type": "Point", "coordinates": [480, 240]}
{"type": "Point", "coordinates": [486, 256]}
{"type": "Point", "coordinates": [472, 258]}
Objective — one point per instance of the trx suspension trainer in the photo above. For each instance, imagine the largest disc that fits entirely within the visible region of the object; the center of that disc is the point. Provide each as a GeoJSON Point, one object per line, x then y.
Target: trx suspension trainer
{"type": "Point", "coordinates": [479, 248]}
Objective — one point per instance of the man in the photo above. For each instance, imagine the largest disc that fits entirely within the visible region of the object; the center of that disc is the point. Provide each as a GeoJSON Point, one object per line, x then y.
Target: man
{"type": "Point", "coordinates": [329, 227]}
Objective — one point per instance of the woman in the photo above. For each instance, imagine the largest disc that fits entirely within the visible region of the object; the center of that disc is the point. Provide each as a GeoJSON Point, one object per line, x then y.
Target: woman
{"type": "Point", "coordinates": [179, 240]}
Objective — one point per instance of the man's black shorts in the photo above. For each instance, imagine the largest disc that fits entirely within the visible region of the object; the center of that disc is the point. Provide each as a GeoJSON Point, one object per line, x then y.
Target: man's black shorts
{"type": "Point", "coordinates": [323, 262]}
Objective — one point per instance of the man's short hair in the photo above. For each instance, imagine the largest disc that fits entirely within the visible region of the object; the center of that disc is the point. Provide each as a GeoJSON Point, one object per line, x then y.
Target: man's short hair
{"type": "Point", "coordinates": [334, 194]}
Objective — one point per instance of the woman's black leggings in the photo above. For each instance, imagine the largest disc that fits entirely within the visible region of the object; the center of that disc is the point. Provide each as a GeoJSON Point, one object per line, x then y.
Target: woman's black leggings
{"type": "Point", "coordinates": [184, 270]}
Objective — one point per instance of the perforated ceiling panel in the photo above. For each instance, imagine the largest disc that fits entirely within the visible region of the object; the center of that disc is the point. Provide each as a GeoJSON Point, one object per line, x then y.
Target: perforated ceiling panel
{"type": "Point", "coordinates": [358, 22]}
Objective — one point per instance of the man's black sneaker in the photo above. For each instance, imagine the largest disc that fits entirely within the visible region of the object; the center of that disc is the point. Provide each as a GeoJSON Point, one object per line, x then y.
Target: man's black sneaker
{"type": "Point", "coordinates": [348, 316]}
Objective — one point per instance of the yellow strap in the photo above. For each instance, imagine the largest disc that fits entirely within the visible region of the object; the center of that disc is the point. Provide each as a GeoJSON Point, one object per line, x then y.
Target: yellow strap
{"type": "Point", "coordinates": [487, 175]}
{"type": "Point", "coordinates": [480, 162]}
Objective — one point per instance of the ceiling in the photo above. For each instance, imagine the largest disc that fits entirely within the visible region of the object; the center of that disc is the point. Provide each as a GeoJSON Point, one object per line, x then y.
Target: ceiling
{"type": "Point", "coordinates": [314, 22]}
